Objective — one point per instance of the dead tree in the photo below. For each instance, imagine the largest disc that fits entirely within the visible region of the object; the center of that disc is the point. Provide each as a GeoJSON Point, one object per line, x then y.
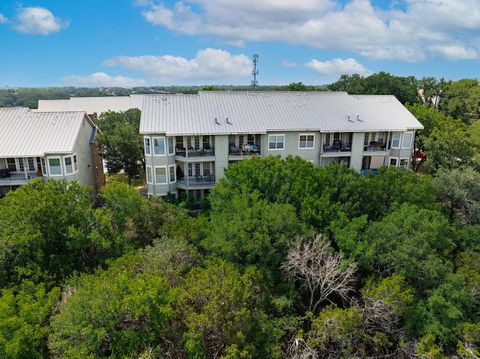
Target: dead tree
{"type": "Point", "coordinates": [320, 269]}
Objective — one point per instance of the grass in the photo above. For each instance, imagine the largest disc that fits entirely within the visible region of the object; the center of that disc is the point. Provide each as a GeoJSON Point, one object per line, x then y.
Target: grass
{"type": "Point", "coordinates": [123, 178]}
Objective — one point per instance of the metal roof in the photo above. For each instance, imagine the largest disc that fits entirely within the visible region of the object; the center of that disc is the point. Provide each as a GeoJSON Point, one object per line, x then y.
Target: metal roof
{"type": "Point", "coordinates": [261, 112]}
{"type": "Point", "coordinates": [29, 133]}
{"type": "Point", "coordinates": [93, 105]}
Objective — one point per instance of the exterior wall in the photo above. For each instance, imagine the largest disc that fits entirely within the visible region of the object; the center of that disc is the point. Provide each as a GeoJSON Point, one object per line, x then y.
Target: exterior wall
{"type": "Point", "coordinates": [166, 161]}
{"type": "Point", "coordinates": [357, 151]}
{"type": "Point", "coordinates": [291, 146]}
{"type": "Point", "coordinates": [221, 156]}
{"type": "Point", "coordinates": [86, 174]}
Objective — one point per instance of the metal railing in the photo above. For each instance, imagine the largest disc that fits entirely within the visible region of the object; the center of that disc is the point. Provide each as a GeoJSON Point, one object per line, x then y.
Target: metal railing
{"type": "Point", "coordinates": [244, 150]}
{"type": "Point", "coordinates": [182, 152]}
{"type": "Point", "coordinates": [195, 180]}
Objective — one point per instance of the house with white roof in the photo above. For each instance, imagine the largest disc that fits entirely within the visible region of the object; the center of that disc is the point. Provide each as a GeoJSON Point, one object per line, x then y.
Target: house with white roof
{"type": "Point", "coordinates": [58, 145]}
{"type": "Point", "coordinates": [190, 139]}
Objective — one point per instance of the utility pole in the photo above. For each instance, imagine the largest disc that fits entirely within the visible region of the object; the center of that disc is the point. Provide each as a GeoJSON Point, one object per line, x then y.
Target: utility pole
{"type": "Point", "coordinates": [255, 70]}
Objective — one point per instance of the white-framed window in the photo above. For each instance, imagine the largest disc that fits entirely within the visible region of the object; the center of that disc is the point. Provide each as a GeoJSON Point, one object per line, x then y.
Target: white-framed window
{"type": "Point", "coordinates": [159, 146]}
{"type": "Point", "coordinates": [407, 140]}
{"type": "Point", "coordinates": [11, 165]}
{"type": "Point", "coordinates": [161, 175]}
{"type": "Point", "coordinates": [171, 146]}
{"type": "Point", "coordinates": [404, 162]}
{"type": "Point", "coordinates": [306, 141]}
{"type": "Point", "coordinates": [196, 140]}
{"type": "Point", "coordinates": [327, 139]}
{"type": "Point", "coordinates": [148, 146]}
{"type": "Point", "coordinates": [31, 164]}
{"type": "Point", "coordinates": [68, 165]}
{"type": "Point", "coordinates": [55, 166]}
{"type": "Point", "coordinates": [172, 174]}
{"type": "Point", "coordinates": [149, 174]}
{"type": "Point", "coordinates": [396, 139]}
{"type": "Point", "coordinates": [44, 167]}
{"type": "Point", "coordinates": [393, 162]}
{"type": "Point", "coordinates": [21, 164]}
{"type": "Point", "coordinates": [276, 142]}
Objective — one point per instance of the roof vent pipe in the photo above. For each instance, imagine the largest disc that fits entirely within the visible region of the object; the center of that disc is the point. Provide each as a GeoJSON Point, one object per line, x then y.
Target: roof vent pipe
{"type": "Point", "coordinates": [358, 118]}
{"type": "Point", "coordinates": [216, 121]}
{"type": "Point", "coordinates": [349, 118]}
{"type": "Point", "coordinates": [228, 121]}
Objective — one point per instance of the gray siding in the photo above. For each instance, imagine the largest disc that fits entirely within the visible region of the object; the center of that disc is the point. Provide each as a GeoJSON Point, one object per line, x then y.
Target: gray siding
{"type": "Point", "coordinates": [160, 161]}
{"type": "Point", "coordinates": [221, 156]}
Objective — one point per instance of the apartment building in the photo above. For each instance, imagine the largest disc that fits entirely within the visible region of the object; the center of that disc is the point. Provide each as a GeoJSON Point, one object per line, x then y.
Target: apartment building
{"type": "Point", "coordinates": [189, 140]}
{"type": "Point", "coordinates": [58, 145]}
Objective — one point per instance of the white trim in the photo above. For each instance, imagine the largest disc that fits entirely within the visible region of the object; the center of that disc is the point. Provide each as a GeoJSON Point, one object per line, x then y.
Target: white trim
{"type": "Point", "coordinates": [149, 153]}
{"type": "Point", "coordinates": [400, 161]}
{"type": "Point", "coordinates": [164, 146]}
{"type": "Point", "coordinates": [403, 140]}
{"type": "Point", "coordinates": [174, 174]}
{"type": "Point", "coordinates": [390, 161]}
{"type": "Point", "coordinates": [173, 145]}
{"type": "Point", "coordinates": [276, 135]}
{"type": "Point", "coordinates": [43, 165]}
{"type": "Point", "coordinates": [399, 140]}
{"type": "Point", "coordinates": [306, 134]}
{"type": "Point", "coordinates": [155, 174]}
{"type": "Point", "coordinates": [151, 174]}
{"type": "Point", "coordinates": [50, 169]}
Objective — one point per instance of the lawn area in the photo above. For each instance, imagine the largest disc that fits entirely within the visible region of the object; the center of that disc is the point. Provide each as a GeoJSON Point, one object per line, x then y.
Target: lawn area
{"type": "Point", "coordinates": [122, 178]}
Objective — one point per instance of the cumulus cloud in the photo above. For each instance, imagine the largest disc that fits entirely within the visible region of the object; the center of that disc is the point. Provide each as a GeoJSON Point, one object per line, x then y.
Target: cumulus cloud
{"type": "Point", "coordinates": [412, 32]}
{"type": "Point", "coordinates": [3, 19]}
{"type": "Point", "coordinates": [453, 52]}
{"type": "Point", "coordinates": [338, 67]}
{"type": "Point", "coordinates": [207, 65]}
{"type": "Point", "coordinates": [38, 21]}
{"type": "Point", "coordinates": [101, 79]}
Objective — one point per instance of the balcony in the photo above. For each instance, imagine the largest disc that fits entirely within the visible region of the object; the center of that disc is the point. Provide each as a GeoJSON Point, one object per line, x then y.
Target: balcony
{"type": "Point", "coordinates": [200, 155]}
{"type": "Point", "coordinates": [375, 147]}
{"type": "Point", "coordinates": [338, 148]}
{"type": "Point", "coordinates": [16, 178]}
{"type": "Point", "coordinates": [243, 151]}
{"type": "Point", "coordinates": [196, 182]}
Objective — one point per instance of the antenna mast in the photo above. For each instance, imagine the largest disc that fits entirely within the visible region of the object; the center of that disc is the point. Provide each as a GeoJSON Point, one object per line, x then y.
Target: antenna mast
{"type": "Point", "coordinates": [255, 70]}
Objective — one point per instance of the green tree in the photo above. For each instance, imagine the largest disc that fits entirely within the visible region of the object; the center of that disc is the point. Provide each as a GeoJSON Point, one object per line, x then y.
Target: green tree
{"type": "Point", "coordinates": [121, 143]}
{"type": "Point", "coordinates": [461, 99]}
{"type": "Point", "coordinates": [48, 231]}
{"type": "Point", "coordinates": [224, 313]}
{"type": "Point", "coordinates": [24, 317]}
{"type": "Point", "coordinates": [120, 312]}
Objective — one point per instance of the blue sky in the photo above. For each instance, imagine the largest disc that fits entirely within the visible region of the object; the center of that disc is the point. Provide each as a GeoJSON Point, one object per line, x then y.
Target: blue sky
{"type": "Point", "coordinates": [153, 42]}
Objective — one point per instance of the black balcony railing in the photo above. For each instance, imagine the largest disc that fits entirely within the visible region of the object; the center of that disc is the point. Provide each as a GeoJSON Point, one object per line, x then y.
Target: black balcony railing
{"type": "Point", "coordinates": [203, 152]}
{"type": "Point", "coordinates": [375, 147]}
{"type": "Point", "coordinates": [338, 146]}
{"type": "Point", "coordinates": [196, 180]}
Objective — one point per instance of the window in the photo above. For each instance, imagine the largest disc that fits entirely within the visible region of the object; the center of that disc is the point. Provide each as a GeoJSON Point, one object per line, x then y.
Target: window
{"type": "Point", "coordinates": [159, 146]}
{"type": "Point", "coordinates": [336, 136]}
{"type": "Point", "coordinates": [190, 171]}
{"type": "Point", "coordinates": [21, 164]}
{"type": "Point", "coordinates": [251, 139]}
{"type": "Point", "coordinates": [12, 166]}
{"type": "Point", "coordinates": [206, 142]}
{"type": "Point", "coordinates": [75, 165]}
{"type": "Point", "coordinates": [39, 164]}
{"type": "Point", "coordinates": [240, 140]}
{"type": "Point", "coordinates": [171, 172]}
{"type": "Point", "coordinates": [393, 162]}
{"type": "Point", "coordinates": [206, 169]}
{"type": "Point", "coordinates": [31, 164]}
{"type": "Point", "coordinates": [396, 140]}
{"type": "Point", "coordinates": [171, 147]}
{"type": "Point", "coordinates": [197, 170]}
{"type": "Point", "coordinates": [374, 136]}
{"type": "Point", "coordinates": [404, 163]}
{"type": "Point", "coordinates": [44, 167]}
{"type": "Point", "coordinates": [148, 147]}
{"type": "Point", "coordinates": [276, 142]}
{"type": "Point", "coordinates": [68, 165]}
{"type": "Point", "coordinates": [407, 140]}
{"type": "Point", "coordinates": [306, 141]}
{"type": "Point", "coordinates": [55, 166]}
{"type": "Point", "coordinates": [365, 139]}
{"type": "Point", "coordinates": [231, 140]}
{"type": "Point", "coordinates": [381, 138]}
{"type": "Point", "coordinates": [189, 143]}
{"type": "Point", "coordinates": [161, 175]}
{"type": "Point", "coordinates": [179, 142]}
{"type": "Point", "coordinates": [327, 139]}
{"type": "Point", "coordinates": [149, 175]}
{"type": "Point", "coordinates": [197, 142]}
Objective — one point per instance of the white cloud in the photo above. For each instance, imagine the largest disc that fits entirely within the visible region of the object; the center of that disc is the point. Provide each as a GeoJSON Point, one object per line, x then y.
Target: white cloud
{"type": "Point", "coordinates": [207, 65]}
{"type": "Point", "coordinates": [3, 19]}
{"type": "Point", "coordinates": [101, 79]}
{"type": "Point", "coordinates": [453, 52]}
{"type": "Point", "coordinates": [337, 67]}
{"type": "Point", "coordinates": [288, 64]}
{"type": "Point", "coordinates": [38, 21]}
{"type": "Point", "coordinates": [412, 32]}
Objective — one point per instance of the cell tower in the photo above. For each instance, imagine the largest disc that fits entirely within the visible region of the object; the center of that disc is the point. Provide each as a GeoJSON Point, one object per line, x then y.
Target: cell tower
{"type": "Point", "coordinates": [255, 70]}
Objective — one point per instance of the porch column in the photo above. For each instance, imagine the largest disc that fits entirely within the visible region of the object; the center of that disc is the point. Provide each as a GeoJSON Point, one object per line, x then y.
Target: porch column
{"type": "Point", "coordinates": [24, 168]}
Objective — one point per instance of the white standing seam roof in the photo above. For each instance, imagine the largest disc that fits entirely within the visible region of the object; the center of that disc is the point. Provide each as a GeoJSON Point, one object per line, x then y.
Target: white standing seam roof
{"type": "Point", "coordinates": [29, 133]}
{"type": "Point", "coordinates": [261, 112]}
{"type": "Point", "coordinates": [93, 105]}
